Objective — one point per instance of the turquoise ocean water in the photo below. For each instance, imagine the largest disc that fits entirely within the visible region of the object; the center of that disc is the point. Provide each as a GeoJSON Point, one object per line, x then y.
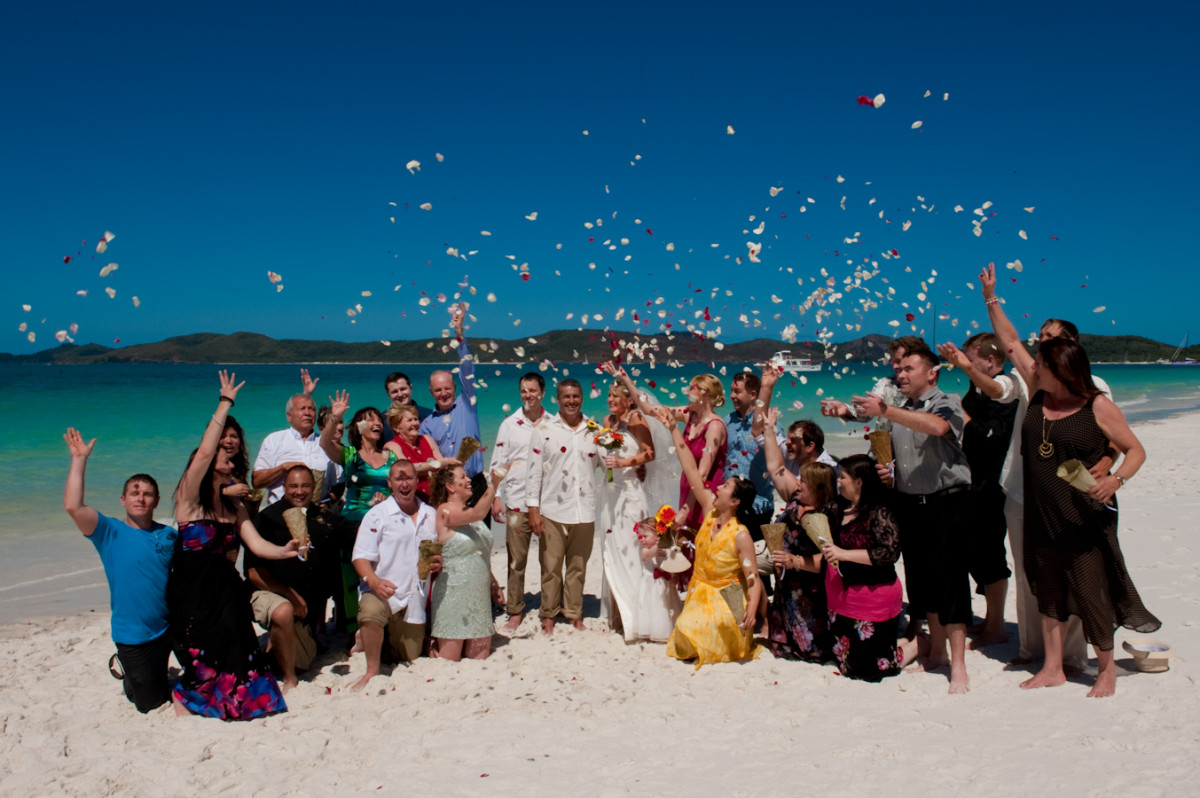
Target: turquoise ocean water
{"type": "Point", "coordinates": [148, 417]}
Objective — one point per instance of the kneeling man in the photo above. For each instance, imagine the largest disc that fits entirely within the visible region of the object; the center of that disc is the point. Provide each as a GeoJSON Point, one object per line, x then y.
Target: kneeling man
{"type": "Point", "coordinates": [136, 554]}
{"type": "Point", "coordinates": [289, 595]}
{"type": "Point", "coordinates": [385, 556]}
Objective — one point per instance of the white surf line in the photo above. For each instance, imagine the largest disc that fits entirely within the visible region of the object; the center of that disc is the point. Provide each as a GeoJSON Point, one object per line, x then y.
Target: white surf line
{"type": "Point", "coordinates": [71, 589]}
{"type": "Point", "coordinates": [51, 578]}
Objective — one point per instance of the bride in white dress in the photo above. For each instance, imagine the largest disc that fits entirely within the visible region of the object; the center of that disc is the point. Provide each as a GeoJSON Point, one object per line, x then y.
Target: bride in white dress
{"type": "Point", "coordinates": [642, 607]}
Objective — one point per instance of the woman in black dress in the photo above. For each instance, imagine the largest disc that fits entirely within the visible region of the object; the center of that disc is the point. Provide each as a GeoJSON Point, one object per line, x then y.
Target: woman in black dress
{"type": "Point", "coordinates": [1072, 558]}
{"type": "Point", "coordinates": [223, 672]}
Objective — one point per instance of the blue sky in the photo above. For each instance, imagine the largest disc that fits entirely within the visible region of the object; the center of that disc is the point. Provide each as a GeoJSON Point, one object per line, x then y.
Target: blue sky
{"type": "Point", "coordinates": [220, 141]}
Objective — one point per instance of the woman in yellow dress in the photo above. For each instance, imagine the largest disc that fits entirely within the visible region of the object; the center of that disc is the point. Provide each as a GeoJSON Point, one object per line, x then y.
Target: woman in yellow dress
{"type": "Point", "coordinates": [725, 570]}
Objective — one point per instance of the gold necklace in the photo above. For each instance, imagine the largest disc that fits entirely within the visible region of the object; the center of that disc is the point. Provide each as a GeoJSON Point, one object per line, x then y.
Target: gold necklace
{"type": "Point", "coordinates": [1046, 450]}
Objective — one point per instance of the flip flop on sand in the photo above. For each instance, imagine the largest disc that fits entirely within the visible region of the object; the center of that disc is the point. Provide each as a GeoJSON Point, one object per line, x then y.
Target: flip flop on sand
{"type": "Point", "coordinates": [114, 667]}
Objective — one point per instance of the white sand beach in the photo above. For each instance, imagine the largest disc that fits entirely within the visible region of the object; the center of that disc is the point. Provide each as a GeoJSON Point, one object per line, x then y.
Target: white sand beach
{"type": "Point", "coordinates": [585, 713]}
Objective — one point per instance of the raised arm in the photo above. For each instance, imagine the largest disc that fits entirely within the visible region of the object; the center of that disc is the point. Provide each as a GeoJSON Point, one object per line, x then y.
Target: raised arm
{"type": "Point", "coordinates": [784, 481]}
{"type": "Point", "coordinates": [927, 423]}
{"type": "Point", "coordinates": [714, 440]}
{"type": "Point", "coordinates": [453, 514]}
{"type": "Point", "coordinates": [466, 363]}
{"type": "Point", "coordinates": [86, 518]}
{"type": "Point", "coordinates": [955, 357]}
{"type": "Point", "coordinates": [1021, 359]}
{"type": "Point", "coordinates": [338, 405]}
{"type": "Point", "coordinates": [686, 459]}
{"type": "Point", "coordinates": [189, 486]}
{"type": "Point", "coordinates": [647, 407]}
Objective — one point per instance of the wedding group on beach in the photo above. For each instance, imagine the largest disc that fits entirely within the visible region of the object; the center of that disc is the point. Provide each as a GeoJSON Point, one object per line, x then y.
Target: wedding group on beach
{"type": "Point", "coordinates": [720, 533]}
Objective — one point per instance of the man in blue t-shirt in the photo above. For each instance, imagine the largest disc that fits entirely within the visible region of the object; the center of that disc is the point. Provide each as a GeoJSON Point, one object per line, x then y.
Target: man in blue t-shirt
{"type": "Point", "coordinates": [137, 556]}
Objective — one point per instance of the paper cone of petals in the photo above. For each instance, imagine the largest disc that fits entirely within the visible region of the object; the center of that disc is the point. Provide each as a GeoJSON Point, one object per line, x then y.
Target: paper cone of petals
{"type": "Point", "coordinates": [1074, 472]}
{"type": "Point", "coordinates": [428, 550]}
{"type": "Point", "coordinates": [773, 536]}
{"type": "Point", "coordinates": [881, 446]}
{"type": "Point", "coordinates": [296, 519]}
{"type": "Point", "coordinates": [816, 526]}
{"type": "Point", "coordinates": [467, 448]}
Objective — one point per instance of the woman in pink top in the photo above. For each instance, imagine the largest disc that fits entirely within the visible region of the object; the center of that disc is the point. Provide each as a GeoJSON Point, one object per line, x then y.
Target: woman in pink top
{"type": "Point", "coordinates": [704, 434]}
{"type": "Point", "coordinates": [861, 585]}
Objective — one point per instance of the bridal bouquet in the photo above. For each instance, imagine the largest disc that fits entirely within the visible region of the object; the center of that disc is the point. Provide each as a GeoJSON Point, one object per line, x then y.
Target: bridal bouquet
{"type": "Point", "coordinates": [611, 440]}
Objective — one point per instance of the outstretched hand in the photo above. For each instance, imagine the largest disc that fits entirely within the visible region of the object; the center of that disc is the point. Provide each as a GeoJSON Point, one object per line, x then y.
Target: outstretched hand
{"type": "Point", "coordinates": [339, 404]}
{"type": "Point", "coordinates": [665, 416]}
{"type": "Point", "coordinates": [987, 279]}
{"type": "Point", "coordinates": [953, 355]}
{"type": "Point", "coordinates": [76, 445]}
{"type": "Point", "coordinates": [770, 376]}
{"type": "Point", "coordinates": [610, 368]}
{"type": "Point", "coordinates": [307, 385]}
{"type": "Point", "coordinates": [228, 387]}
{"type": "Point", "coordinates": [459, 313]}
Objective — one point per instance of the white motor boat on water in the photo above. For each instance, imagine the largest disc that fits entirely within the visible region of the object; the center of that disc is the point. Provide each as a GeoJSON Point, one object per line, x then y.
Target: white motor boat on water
{"type": "Point", "coordinates": [784, 360]}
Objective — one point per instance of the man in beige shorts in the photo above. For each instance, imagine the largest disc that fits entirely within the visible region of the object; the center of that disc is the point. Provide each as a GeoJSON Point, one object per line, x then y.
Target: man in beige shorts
{"type": "Point", "coordinates": [386, 551]}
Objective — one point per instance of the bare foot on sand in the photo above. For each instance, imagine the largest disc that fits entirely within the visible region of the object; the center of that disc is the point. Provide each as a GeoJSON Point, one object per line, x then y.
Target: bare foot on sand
{"type": "Point", "coordinates": [1105, 686]}
{"type": "Point", "coordinates": [988, 639]}
{"type": "Point", "coordinates": [513, 622]}
{"type": "Point", "coordinates": [361, 683]}
{"type": "Point", "coordinates": [1044, 678]}
{"type": "Point", "coordinates": [1106, 680]}
{"type": "Point", "coordinates": [287, 685]}
{"type": "Point", "coordinates": [180, 710]}
{"type": "Point", "coordinates": [959, 683]}
{"type": "Point", "coordinates": [928, 664]}
{"type": "Point", "coordinates": [578, 624]}
{"type": "Point", "coordinates": [548, 625]}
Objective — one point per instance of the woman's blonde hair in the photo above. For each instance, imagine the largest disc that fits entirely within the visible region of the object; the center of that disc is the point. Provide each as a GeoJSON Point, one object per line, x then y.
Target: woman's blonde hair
{"type": "Point", "coordinates": [395, 414]}
{"type": "Point", "coordinates": [711, 386]}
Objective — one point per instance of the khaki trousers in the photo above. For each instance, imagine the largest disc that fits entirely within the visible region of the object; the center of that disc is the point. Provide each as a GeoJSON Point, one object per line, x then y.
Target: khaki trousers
{"type": "Point", "coordinates": [517, 539]}
{"type": "Point", "coordinates": [1029, 620]}
{"type": "Point", "coordinates": [562, 593]}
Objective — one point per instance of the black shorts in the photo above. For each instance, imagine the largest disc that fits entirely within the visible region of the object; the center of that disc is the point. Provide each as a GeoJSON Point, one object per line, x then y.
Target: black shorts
{"type": "Point", "coordinates": [145, 667]}
{"type": "Point", "coordinates": [984, 527]}
{"type": "Point", "coordinates": [935, 562]}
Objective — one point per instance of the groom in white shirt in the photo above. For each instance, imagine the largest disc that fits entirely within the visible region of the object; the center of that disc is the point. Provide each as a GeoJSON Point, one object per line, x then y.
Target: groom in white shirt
{"type": "Point", "coordinates": [561, 494]}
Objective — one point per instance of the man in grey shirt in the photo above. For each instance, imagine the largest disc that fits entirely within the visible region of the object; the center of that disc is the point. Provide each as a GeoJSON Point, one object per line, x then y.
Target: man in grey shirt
{"type": "Point", "coordinates": [932, 479]}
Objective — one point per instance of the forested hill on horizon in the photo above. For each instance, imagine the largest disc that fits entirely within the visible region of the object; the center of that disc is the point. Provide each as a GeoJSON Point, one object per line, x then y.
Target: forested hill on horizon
{"type": "Point", "coordinates": [559, 346]}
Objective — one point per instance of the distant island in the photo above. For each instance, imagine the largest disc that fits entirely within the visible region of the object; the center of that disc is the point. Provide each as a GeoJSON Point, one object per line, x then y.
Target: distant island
{"type": "Point", "coordinates": [559, 346]}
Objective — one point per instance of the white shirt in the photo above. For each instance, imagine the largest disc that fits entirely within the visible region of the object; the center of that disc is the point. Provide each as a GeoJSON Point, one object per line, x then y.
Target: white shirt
{"type": "Point", "coordinates": [390, 540]}
{"type": "Point", "coordinates": [288, 446]}
{"type": "Point", "coordinates": [512, 452]}
{"type": "Point", "coordinates": [560, 479]}
{"type": "Point", "coordinates": [1012, 478]}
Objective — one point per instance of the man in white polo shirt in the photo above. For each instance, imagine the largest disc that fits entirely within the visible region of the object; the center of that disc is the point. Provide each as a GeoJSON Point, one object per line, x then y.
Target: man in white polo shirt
{"type": "Point", "coordinates": [561, 494]}
{"type": "Point", "coordinates": [385, 556]}
{"type": "Point", "coordinates": [299, 444]}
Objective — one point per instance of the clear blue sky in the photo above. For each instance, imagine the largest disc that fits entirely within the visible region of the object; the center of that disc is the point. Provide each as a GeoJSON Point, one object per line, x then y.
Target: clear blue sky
{"type": "Point", "coordinates": [219, 141]}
